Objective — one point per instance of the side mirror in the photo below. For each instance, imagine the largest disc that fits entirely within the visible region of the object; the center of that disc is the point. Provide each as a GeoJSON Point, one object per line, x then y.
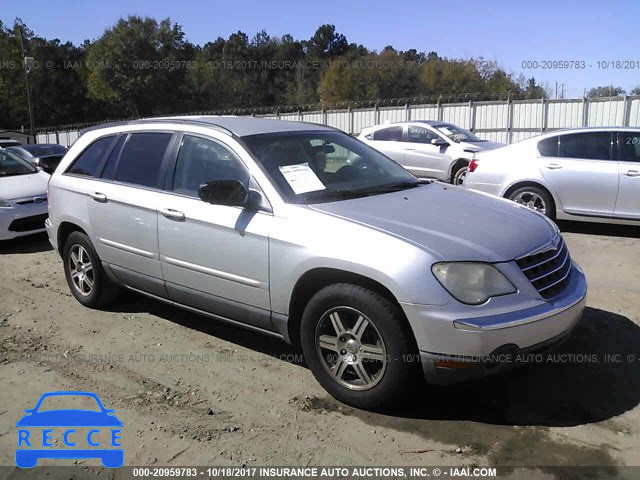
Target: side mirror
{"type": "Point", "coordinates": [229, 192]}
{"type": "Point", "coordinates": [439, 142]}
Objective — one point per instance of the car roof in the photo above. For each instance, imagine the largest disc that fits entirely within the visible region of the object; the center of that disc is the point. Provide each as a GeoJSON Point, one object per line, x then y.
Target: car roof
{"type": "Point", "coordinates": [430, 123]}
{"type": "Point", "coordinates": [238, 126]}
{"type": "Point", "coordinates": [567, 131]}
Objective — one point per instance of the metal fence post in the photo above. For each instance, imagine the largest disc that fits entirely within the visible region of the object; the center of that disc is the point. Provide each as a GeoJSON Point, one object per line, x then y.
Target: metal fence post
{"type": "Point", "coordinates": [509, 118]}
{"type": "Point", "coordinates": [627, 111]}
{"type": "Point", "coordinates": [543, 115]}
{"type": "Point", "coordinates": [472, 116]}
{"type": "Point", "coordinates": [350, 114]}
{"type": "Point", "coordinates": [440, 113]}
{"type": "Point", "coordinates": [407, 112]}
{"type": "Point", "coordinates": [377, 113]}
{"type": "Point", "coordinates": [585, 111]}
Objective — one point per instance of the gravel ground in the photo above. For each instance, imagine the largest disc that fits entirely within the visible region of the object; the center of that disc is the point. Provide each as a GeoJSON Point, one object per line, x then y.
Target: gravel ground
{"type": "Point", "coordinates": [192, 391]}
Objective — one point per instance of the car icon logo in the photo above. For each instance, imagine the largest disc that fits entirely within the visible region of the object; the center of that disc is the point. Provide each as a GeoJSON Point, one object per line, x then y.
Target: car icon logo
{"type": "Point", "coordinates": [36, 432]}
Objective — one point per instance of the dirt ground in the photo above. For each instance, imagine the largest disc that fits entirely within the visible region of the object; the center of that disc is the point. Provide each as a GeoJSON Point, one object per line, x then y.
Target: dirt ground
{"type": "Point", "coordinates": [192, 391]}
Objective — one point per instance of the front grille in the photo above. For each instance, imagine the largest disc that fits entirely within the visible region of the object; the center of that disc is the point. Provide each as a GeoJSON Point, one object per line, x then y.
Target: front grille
{"type": "Point", "coordinates": [548, 271]}
{"type": "Point", "coordinates": [26, 224]}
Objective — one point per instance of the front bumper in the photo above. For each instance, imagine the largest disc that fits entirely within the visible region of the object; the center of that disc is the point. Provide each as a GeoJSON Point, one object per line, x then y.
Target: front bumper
{"type": "Point", "coordinates": [20, 220]}
{"type": "Point", "coordinates": [454, 348]}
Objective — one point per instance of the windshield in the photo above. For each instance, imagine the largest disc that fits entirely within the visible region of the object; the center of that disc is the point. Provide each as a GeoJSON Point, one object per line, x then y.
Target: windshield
{"type": "Point", "coordinates": [457, 134]}
{"type": "Point", "coordinates": [316, 167]}
{"type": "Point", "coordinates": [11, 164]}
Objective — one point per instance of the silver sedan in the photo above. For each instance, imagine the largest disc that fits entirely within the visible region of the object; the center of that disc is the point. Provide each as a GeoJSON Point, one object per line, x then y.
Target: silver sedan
{"type": "Point", "coordinates": [586, 174]}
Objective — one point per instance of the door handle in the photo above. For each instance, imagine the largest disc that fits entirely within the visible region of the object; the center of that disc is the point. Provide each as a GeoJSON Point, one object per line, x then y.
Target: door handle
{"type": "Point", "coordinates": [99, 197]}
{"type": "Point", "coordinates": [554, 166]}
{"type": "Point", "coordinates": [172, 214]}
{"type": "Point", "coordinates": [409, 149]}
{"type": "Point", "coordinates": [632, 173]}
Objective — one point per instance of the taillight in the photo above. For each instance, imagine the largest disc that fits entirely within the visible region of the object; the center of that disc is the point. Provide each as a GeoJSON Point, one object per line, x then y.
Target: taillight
{"type": "Point", "coordinates": [473, 164]}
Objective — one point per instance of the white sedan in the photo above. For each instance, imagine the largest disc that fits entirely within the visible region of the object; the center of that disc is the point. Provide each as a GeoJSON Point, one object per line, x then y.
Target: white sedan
{"type": "Point", "coordinates": [586, 174]}
{"type": "Point", "coordinates": [23, 197]}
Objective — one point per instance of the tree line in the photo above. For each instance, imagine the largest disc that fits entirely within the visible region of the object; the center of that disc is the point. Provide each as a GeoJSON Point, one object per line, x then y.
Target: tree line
{"type": "Point", "coordinates": [143, 67]}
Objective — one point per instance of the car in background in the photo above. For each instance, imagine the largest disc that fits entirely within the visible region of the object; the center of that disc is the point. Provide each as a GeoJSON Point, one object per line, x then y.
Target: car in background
{"type": "Point", "coordinates": [428, 148]}
{"type": "Point", "coordinates": [302, 232]}
{"type": "Point", "coordinates": [585, 174]}
{"type": "Point", "coordinates": [4, 143]}
{"type": "Point", "coordinates": [44, 155]}
{"type": "Point", "coordinates": [23, 197]}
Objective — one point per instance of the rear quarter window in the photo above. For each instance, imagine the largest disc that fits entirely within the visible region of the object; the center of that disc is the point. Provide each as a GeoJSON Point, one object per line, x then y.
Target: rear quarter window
{"type": "Point", "coordinates": [548, 147]}
{"type": "Point", "coordinates": [89, 162]}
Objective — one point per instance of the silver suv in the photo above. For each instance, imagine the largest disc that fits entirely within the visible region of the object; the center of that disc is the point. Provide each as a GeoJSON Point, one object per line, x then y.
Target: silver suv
{"type": "Point", "coordinates": [426, 148]}
{"type": "Point", "coordinates": [307, 234]}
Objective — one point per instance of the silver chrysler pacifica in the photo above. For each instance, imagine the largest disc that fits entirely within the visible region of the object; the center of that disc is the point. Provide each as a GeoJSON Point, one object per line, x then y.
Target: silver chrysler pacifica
{"type": "Point", "coordinates": [302, 232]}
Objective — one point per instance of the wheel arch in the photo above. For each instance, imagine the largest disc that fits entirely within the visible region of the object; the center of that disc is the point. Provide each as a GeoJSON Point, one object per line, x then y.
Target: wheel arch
{"type": "Point", "coordinates": [532, 183]}
{"type": "Point", "coordinates": [64, 230]}
{"type": "Point", "coordinates": [316, 279]}
{"type": "Point", "coordinates": [455, 165]}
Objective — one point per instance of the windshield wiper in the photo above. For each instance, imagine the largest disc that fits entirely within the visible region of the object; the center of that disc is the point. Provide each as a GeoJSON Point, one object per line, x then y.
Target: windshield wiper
{"type": "Point", "coordinates": [395, 187]}
{"type": "Point", "coordinates": [336, 195]}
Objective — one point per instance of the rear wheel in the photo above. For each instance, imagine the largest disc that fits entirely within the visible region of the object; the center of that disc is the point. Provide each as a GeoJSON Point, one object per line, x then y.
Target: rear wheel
{"type": "Point", "coordinates": [86, 277]}
{"type": "Point", "coordinates": [358, 346]}
{"type": "Point", "coordinates": [534, 198]}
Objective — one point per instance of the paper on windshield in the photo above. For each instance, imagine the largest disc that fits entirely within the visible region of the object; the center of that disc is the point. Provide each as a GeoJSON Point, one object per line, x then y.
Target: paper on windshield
{"type": "Point", "coordinates": [301, 178]}
{"type": "Point", "coordinates": [446, 131]}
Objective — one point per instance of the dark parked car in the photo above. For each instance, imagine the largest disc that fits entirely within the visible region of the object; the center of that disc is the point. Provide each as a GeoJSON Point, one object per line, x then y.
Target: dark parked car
{"type": "Point", "coordinates": [44, 155]}
{"type": "Point", "coordinates": [4, 143]}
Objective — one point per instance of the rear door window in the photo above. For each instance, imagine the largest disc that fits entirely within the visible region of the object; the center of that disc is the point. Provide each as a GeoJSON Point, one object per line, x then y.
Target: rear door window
{"type": "Point", "coordinates": [391, 134]}
{"type": "Point", "coordinates": [588, 145]}
{"type": "Point", "coordinates": [141, 159]}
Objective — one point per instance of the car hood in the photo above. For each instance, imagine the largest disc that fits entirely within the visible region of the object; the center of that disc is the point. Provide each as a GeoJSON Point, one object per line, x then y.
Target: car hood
{"type": "Point", "coordinates": [481, 146]}
{"type": "Point", "coordinates": [21, 186]}
{"type": "Point", "coordinates": [69, 418]}
{"type": "Point", "coordinates": [450, 222]}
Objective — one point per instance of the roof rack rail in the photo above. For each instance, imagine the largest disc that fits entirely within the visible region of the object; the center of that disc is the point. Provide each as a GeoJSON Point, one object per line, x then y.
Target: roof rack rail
{"type": "Point", "coordinates": [209, 124]}
{"type": "Point", "coordinates": [158, 120]}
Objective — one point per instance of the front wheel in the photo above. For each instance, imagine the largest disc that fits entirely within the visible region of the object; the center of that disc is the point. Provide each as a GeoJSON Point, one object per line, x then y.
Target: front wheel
{"type": "Point", "coordinates": [459, 174]}
{"type": "Point", "coordinates": [358, 346]}
{"type": "Point", "coordinates": [534, 198]}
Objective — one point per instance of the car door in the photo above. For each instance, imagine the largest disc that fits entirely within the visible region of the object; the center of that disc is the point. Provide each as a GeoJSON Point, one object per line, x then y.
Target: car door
{"type": "Point", "coordinates": [214, 257]}
{"type": "Point", "coordinates": [581, 171]}
{"type": "Point", "coordinates": [388, 140]}
{"type": "Point", "coordinates": [123, 209]}
{"type": "Point", "coordinates": [628, 201]}
{"type": "Point", "coordinates": [421, 157]}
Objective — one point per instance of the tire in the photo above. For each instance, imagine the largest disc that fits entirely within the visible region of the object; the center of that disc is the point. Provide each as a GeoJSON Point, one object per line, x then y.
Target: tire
{"type": "Point", "coordinates": [459, 173]}
{"type": "Point", "coordinates": [84, 273]}
{"type": "Point", "coordinates": [535, 198]}
{"type": "Point", "coordinates": [382, 338]}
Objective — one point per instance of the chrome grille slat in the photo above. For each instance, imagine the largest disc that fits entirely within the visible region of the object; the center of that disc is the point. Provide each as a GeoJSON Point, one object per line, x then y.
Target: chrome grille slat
{"type": "Point", "coordinates": [546, 274]}
{"type": "Point", "coordinates": [544, 261]}
{"type": "Point", "coordinates": [556, 282]}
{"type": "Point", "coordinates": [548, 270]}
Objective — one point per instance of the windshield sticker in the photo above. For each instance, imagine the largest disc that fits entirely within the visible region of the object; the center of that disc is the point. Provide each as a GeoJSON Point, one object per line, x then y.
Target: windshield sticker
{"type": "Point", "coordinates": [301, 178]}
{"type": "Point", "coordinates": [446, 131]}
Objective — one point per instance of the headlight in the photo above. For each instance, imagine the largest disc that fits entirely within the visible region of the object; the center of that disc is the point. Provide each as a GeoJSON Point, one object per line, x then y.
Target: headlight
{"type": "Point", "coordinates": [472, 283]}
{"type": "Point", "coordinates": [4, 203]}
